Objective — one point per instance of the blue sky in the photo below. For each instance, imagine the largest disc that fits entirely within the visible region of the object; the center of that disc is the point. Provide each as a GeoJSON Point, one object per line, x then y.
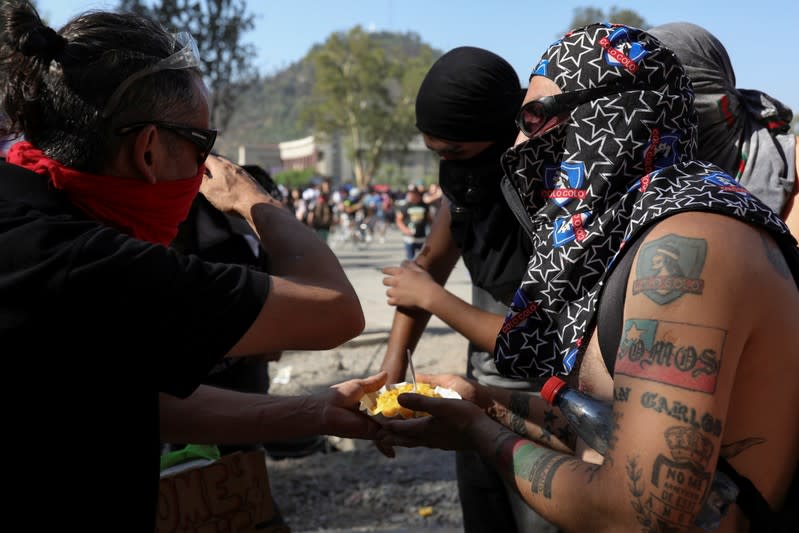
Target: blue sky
{"type": "Point", "coordinates": [760, 36]}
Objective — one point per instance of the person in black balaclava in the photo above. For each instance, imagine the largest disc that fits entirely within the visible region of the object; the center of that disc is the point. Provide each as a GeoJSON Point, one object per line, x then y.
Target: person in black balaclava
{"type": "Point", "coordinates": [465, 110]}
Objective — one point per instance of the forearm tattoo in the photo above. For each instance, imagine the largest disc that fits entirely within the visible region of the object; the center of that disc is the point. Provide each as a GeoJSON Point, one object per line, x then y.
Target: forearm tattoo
{"type": "Point", "coordinates": [519, 413]}
{"type": "Point", "coordinates": [522, 459]}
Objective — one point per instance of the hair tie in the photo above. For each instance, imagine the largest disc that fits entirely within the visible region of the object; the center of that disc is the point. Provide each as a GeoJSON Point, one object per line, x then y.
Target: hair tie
{"type": "Point", "coordinates": [42, 42]}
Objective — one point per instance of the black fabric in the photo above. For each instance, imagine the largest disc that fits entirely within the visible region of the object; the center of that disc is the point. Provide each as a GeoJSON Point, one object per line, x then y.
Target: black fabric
{"type": "Point", "coordinates": [322, 211]}
{"type": "Point", "coordinates": [751, 502]}
{"type": "Point", "coordinates": [493, 245]}
{"type": "Point", "coordinates": [417, 218]}
{"type": "Point", "coordinates": [469, 94]}
{"type": "Point", "coordinates": [480, 363]}
{"type": "Point", "coordinates": [611, 304]}
{"type": "Point", "coordinates": [221, 237]}
{"type": "Point", "coordinates": [94, 335]}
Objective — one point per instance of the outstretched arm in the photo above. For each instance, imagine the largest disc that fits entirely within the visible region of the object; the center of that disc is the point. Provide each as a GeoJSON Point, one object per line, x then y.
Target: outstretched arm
{"type": "Point", "coordinates": [222, 416]}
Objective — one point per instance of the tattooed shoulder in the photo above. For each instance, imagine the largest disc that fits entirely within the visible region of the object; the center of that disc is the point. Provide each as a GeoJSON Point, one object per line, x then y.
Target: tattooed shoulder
{"type": "Point", "coordinates": [669, 267]}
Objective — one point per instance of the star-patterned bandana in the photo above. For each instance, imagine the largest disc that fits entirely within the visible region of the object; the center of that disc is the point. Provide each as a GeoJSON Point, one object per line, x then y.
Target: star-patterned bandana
{"type": "Point", "coordinates": [590, 185]}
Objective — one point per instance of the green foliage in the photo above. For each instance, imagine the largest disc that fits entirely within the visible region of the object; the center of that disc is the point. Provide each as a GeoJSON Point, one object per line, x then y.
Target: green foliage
{"type": "Point", "coordinates": [217, 26]}
{"type": "Point", "coordinates": [365, 88]}
{"type": "Point", "coordinates": [588, 15]}
{"type": "Point", "coordinates": [294, 178]}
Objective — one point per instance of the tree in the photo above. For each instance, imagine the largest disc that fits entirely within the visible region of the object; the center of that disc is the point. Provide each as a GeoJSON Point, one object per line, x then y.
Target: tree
{"type": "Point", "coordinates": [588, 15]}
{"type": "Point", "coordinates": [365, 89]}
{"type": "Point", "coordinates": [217, 26]}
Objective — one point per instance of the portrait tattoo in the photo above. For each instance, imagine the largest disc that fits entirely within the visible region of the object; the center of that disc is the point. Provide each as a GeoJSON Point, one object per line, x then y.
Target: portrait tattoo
{"type": "Point", "coordinates": [669, 267]}
{"type": "Point", "coordinates": [675, 353]}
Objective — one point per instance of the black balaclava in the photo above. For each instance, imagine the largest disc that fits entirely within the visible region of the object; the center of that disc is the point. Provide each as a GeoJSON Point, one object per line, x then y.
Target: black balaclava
{"type": "Point", "coordinates": [472, 95]}
{"type": "Point", "coordinates": [469, 94]}
{"type": "Point", "coordinates": [590, 185]}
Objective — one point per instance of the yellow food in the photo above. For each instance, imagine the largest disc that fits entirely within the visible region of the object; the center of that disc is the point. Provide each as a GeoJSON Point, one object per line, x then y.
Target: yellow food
{"type": "Point", "coordinates": [388, 405]}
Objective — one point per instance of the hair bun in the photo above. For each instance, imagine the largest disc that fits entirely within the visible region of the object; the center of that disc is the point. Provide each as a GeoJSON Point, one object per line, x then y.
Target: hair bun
{"type": "Point", "coordinates": [43, 42]}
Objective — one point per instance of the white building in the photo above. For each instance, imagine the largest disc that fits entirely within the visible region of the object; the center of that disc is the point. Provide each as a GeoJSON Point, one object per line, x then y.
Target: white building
{"type": "Point", "coordinates": [328, 158]}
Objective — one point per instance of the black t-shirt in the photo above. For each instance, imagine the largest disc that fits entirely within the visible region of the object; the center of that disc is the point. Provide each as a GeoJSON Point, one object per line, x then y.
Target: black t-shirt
{"type": "Point", "coordinates": [417, 218]}
{"type": "Point", "coordinates": [93, 325]}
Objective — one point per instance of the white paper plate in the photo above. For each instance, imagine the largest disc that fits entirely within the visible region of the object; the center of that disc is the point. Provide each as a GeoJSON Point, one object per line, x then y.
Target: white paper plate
{"type": "Point", "coordinates": [369, 400]}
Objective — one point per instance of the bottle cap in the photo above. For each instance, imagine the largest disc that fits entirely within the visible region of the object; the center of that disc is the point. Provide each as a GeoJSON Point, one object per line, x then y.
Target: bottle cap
{"type": "Point", "coordinates": [551, 388]}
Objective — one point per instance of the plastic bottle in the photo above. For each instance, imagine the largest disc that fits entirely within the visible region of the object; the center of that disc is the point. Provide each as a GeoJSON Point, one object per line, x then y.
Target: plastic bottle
{"type": "Point", "coordinates": [592, 420]}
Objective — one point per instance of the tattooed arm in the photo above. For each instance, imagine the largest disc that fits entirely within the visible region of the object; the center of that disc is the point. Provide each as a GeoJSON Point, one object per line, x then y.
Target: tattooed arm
{"type": "Point", "coordinates": [529, 416]}
{"type": "Point", "coordinates": [524, 413]}
{"type": "Point", "coordinates": [685, 330]}
{"type": "Point", "coordinates": [683, 336]}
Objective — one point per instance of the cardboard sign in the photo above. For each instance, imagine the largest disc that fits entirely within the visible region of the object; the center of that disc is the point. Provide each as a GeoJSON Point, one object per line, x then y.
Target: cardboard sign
{"type": "Point", "coordinates": [230, 495]}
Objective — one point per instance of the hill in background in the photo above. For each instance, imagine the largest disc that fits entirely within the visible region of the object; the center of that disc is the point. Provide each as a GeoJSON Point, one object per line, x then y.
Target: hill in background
{"type": "Point", "coordinates": [268, 112]}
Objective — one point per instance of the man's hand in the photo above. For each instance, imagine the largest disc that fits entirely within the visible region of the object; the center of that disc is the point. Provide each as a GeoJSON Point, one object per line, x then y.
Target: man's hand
{"type": "Point", "coordinates": [449, 426]}
{"type": "Point", "coordinates": [230, 188]}
{"type": "Point", "coordinates": [339, 408]}
{"type": "Point", "coordinates": [408, 285]}
{"type": "Point", "coordinates": [468, 390]}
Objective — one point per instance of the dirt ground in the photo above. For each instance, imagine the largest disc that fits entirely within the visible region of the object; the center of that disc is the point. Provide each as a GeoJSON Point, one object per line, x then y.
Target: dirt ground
{"type": "Point", "coordinates": [356, 488]}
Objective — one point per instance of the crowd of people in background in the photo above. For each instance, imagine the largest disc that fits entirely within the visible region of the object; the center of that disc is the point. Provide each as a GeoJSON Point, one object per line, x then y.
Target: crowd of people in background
{"type": "Point", "coordinates": [346, 214]}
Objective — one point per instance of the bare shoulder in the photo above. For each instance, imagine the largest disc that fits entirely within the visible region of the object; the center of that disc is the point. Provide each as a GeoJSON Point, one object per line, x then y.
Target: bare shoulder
{"type": "Point", "coordinates": [731, 250]}
{"type": "Point", "coordinates": [714, 269]}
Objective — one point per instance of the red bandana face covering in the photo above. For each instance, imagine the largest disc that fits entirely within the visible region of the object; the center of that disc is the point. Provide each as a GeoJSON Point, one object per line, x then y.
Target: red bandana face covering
{"type": "Point", "coordinates": [146, 211]}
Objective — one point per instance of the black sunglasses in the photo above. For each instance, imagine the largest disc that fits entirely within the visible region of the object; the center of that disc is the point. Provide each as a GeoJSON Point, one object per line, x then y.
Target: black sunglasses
{"type": "Point", "coordinates": [537, 116]}
{"type": "Point", "coordinates": [201, 138]}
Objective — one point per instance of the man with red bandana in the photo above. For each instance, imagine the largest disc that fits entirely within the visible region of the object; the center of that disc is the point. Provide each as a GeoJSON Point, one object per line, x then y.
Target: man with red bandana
{"type": "Point", "coordinates": [107, 330]}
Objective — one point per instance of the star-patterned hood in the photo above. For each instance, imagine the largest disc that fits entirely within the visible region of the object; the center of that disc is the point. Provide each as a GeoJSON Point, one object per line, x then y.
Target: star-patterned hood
{"type": "Point", "coordinates": [588, 186]}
